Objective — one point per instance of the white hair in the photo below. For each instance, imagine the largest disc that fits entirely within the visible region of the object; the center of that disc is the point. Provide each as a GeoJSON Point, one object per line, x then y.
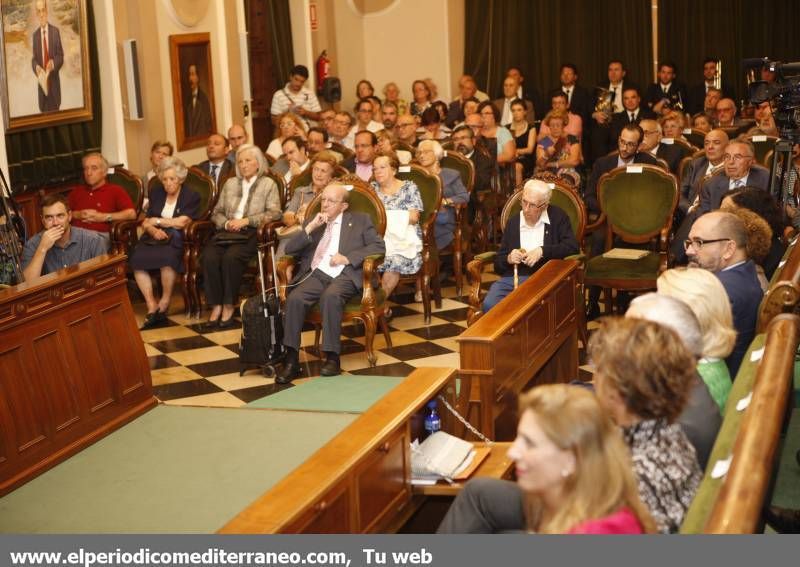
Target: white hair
{"type": "Point", "coordinates": [538, 187]}
{"type": "Point", "coordinates": [670, 312]}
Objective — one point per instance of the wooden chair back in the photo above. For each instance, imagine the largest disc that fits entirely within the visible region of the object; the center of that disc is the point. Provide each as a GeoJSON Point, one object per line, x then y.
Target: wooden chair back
{"type": "Point", "coordinates": [132, 184]}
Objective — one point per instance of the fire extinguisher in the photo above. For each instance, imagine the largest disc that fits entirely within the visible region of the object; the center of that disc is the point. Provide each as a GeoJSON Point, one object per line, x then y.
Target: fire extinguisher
{"type": "Point", "coordinates": [323, 69]}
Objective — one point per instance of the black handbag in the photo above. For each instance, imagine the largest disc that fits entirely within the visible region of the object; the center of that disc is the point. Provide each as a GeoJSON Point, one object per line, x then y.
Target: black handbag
{"type": "Point", "coordinates": [226, 237]}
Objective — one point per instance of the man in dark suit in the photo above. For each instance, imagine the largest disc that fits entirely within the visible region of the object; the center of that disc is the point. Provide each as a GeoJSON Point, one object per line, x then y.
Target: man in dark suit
{"type": "Point", "coordinates": [718, 243]}
{"type": "Point", "coordinates": [632, 114]}
{"type": "Point", "coordinates": [598, 128]}
{"type": "Point", "coordinates": [525, 91]}
{"type": "Point", "coordinates": [455, 111]}
{"type": "Point", "coordinates": [197, 120]}
{"type": "Point", "coordinates": [48, 57]}
{"type": "Point", "coordinates": [217, 166]}
{"type": "Point", "coordinates": [740, 171]}
{"type": "Point", "coordinates": [653, 144]}
{"type": "Point", "coordinates": [541, 232]}
{"type": "Point", "coordinates": [464, 139]}
{"type": "Point", "coordinates": [697, 93]}
{"type": "Point", "coordinates": [628, 142]}
{"type": "Point", "coordinates": [701, 168]}
{"type": "Point", "coordinates": [667, 92]}
{"type": "Point", "coordinates": [579, 99]}
{"type": "Point", "coordinates": [510, 87]}
{"type": "Point", "coordinates": [331, 249]}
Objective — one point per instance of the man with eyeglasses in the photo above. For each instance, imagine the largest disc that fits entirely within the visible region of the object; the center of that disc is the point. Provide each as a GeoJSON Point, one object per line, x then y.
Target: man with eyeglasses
{"type": "Point", "coordinates": [717, 242]}
{"type": "Point", "coordinates": [331, 249]}
{"type": "Point", "coordinates": [632, 113]}
{"type": "Point", "coordinates": [654, 144]}
{"type": "Point", "coordinates": [702, 168]}
{"type": "Point", "coordinates": [740, 171]}
{"type": "Point", "coordinates": [726, 114]}
{"type": "Point", "coordinates": [541, 232]}
{"type": "Point", "coordinates": [340, 127]}
{"type": "Point", "coordinates": [464, 140]}
{"type": "Point", "coordinates": [366, 144]}
{"type": "Point", "coordinates": [406, 129]}
{"type": "Point", "coordinates": [364, 121]}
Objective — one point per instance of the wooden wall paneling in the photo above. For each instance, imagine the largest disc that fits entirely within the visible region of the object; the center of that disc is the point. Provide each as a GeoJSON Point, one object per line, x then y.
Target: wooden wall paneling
{"type": "Point", "coordinates": [58, 378]}
{"type": "Point", "coordinates": [92, 365]}
{"type": "Point", "coordinates": [22, 401]}
{"type": "Point", "coordinates": [381, 481]}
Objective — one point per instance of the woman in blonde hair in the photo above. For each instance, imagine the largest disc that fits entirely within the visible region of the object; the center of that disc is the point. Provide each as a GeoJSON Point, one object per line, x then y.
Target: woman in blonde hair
{"type": "Point", "coordinates": [704, 294]}
{"type": "Point", "coordinates": [574, 474]}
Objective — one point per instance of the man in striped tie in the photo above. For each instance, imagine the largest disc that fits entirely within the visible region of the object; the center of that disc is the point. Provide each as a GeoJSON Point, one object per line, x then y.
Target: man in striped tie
{"type": "Point", "coordinates": [331, 249]}
{"type": "Point", "coordinates": [741, 170]}
{"type": "Point", "coordinates": [48, 57]}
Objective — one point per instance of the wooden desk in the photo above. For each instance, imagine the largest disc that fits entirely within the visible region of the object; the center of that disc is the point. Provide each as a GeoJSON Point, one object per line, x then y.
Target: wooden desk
{"type": "Point", "coordinates": [497, 465]}
{"type": "Point", "coordinates": [72, 366]}
{"type": "Point", "coordinates": [528, 338]}
{"type": "Point", "coordinates": [360, 482]}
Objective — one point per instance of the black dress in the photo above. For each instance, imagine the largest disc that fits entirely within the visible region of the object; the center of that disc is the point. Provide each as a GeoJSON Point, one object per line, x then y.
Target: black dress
{"type": "Point", "coordinates": [527, 160]}
{"type": "Point", "coordinates": [154, 257]}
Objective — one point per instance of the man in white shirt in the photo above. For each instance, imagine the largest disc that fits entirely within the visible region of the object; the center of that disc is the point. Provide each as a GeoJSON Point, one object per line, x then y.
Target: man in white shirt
{"type": "Point", "coordinates": [510, 89]}
{"type": "Point", "coordinates": [331, 249]}
{"type": "Point", "coordinates": [295, 159]}
{"type": "Point", "coordinates": [296, 97]}
{"type": "Point", "coordinates": [340, 128]}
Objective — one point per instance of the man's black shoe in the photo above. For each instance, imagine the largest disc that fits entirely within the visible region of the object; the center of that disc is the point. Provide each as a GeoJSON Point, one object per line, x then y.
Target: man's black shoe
{"type": "Point", "coordinates": [592, 311]}
{"type": "Point", "coordinates": [289, 372]}
{"type": "Point", "coordinates": [783, 520]}
{"type": "Point", "coordinates": [331, 367]}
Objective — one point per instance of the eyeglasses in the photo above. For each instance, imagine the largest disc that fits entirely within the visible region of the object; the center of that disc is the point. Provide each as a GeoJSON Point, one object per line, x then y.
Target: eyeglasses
{"type": "Point", "coordinates": [626, 144]}
{"type": "Point", "coordinates": [331, 201]}
{"type": "Point", "coordinates": [529, 205]}
{"type": "Point", "coordinates": [735, 157]}
{"type": "Point", "coordinates": [698, 243]}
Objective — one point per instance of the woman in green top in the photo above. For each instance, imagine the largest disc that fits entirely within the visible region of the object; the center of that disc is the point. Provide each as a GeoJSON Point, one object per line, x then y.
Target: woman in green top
{"type": "Point", "coordinates": [705, 295]}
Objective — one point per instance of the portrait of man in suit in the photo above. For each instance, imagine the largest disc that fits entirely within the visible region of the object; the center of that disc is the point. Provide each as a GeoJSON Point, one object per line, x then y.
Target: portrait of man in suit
{"type": "Point", "coordinates": [197, 109]}
{"type": "Point", "coordinates": [48, 57]}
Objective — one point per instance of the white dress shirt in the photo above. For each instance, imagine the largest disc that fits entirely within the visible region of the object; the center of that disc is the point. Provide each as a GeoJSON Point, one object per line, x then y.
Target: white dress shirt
{"type": "Point", "coordinates": [333, 248]}
{"type": "Point", "coordinates": [532, 237]}
{"type": "Point", "coordinates": [246, 186]}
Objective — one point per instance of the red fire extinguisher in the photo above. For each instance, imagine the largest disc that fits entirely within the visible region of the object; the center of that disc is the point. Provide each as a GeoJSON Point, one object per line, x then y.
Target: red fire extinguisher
{"type": "Point", "coordinates": [323, 69]}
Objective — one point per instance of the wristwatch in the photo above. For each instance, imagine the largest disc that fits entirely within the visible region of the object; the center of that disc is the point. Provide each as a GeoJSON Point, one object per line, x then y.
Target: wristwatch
{"type": "Point", "coordinates": [108, 218]}
{"type": "Point", "coordinates": [158, 222]}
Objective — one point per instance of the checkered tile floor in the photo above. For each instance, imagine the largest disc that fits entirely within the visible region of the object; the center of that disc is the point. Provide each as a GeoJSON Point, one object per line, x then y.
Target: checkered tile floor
{"type": "Point", "coordinates": [190, 366]}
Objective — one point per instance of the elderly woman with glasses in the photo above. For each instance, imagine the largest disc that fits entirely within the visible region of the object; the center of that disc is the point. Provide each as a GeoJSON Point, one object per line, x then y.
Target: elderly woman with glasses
{"type": "Point", "coordinates": [429, 156]}
{"type": "Point", "coordinates": [247, 200]}
{"type": "Point", "coordinates": [540, 232]}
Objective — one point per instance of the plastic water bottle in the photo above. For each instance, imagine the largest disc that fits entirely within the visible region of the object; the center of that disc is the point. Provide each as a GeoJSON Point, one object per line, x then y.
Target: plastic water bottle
{"type": "Point", "coordinates": [433, 422]}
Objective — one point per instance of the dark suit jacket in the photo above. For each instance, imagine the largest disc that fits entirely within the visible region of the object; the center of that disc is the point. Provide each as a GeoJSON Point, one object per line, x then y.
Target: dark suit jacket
{"type": "Point", "coordinates": [350, 164]}
{"type": "Point", "coordinates": [676, 93]}
{"type": "Point", "coordinates": [604, 165]}
{"type": "Point", "coordinates": [672, 154]}
{"type": "Point", "coordinates": [693, 176]}
{"type": "Point", "coordinates": [581, 102]}
{"type": "Point", "coordinates": [188, 205]}
{"type": "Point", "coordinates": [484, 166]}
{"type": "Point", "coordinates": [358, 239]}
{"type": "Point", "coordinates": [559, 242]}
{"type": "Point", "coordinates": [620, 119]}
{"type": "Point", "coordinates": [713, 191]}
{"type": "Point", "coordinates": [227, 169]}
{"type": "Point", "coordinates": [52, 100]}
{"type": "Point", "coordinates": [744, 293]}
{"type": "Point", "coordinates": [455, 113]}
{"type": "Point", "coordinates": [697, 96]}
{"type": "Point", "coordinates": [197, 120]}
{"type": "Point", "coordinates": [529, 111]}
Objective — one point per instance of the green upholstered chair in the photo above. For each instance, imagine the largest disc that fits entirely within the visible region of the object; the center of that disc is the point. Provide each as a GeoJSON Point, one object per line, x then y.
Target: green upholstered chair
{"type": "Point", "coordinates": [565, 198]}
{"type": "Point", "coordinates": [686, 161]}
{"type": "Point", "coordinates": [369, 307]}
{"type": "Point", "coordinates": [132, 184]}
{"type": "Point", "coordinates": [460, 247]}
{"type": "Point", "coordinates": [637, 205]}
{"type": "Point", "coordinates": [762, 146]}
{"type": "Point", "coordinates": [430, 189]}
{"type": "Point", "coordinates": [696, 137]}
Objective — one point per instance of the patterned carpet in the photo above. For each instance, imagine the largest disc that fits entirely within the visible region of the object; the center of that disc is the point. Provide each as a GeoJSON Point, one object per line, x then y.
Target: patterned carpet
{"type": "Point", "coordinates": [193, 367]}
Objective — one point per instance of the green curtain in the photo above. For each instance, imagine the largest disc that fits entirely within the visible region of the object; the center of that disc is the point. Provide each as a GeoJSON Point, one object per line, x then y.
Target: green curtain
{"type": "Point", "coordinates": [281, 38]}
{"type": "Point", "coordinates": [53, 154]}
{"type": "Point", "coordinates": [539, 35]}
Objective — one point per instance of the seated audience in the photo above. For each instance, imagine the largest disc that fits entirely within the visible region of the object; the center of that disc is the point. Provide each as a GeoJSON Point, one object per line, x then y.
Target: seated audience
{"type": "Point", "coordinates": [739, 160]}
{"type": "Point", "coordinates": [700, 418]}
{"type": "Point", "coordinates": [431, 123]}
{"type": "Point", "coordinates": [289, 125]}
{"type": "Point", "coordinates": [364, 121]}
{"type": "Point", "coordinates": [713, 96]}
{"type": "Point", "coordinates": [510, 87]}
{"type": "Point", "coordinates": [406, 130]}
{"type": "Point", "coordinates": [330, 273]}
{"type": "Point", "coordinates": [294, 161]}
{"type": "Point", "coordinates": [497, 139]}
{"type": "Point", "coordinates": [403, 237]}
{"type": "Point", "coordinates": [172, 208]}
{"type": "Point", "coordinates": [364, 89]}
{"type": "Point", "coordinates": [326, 120]}
{"type": "Point", "coordinates": [672, 125]}
{"type": "Point", "coordinates": [341, 126]}
{"type": "Point", "coordinates": [392, 93]}
{"type": "Point", "coordinates": [389, 115]}
{"type": "Point", "coordinates": [726, 114]}
{"type": "Point", "coordinates": [158, 151]}
{"type": "Point", "coordinates": [58, 245]}
{"type": "Point", "coordinates": [455, 112]}
{"type": "Point", "coordinates": [422, 98]}
{"type": "Point", "coordinates": [98, 203]}
{"type": "Point", "coordinates": [574, 474]}
{"type": "Point", "coordinates": [559, 153]}
{"type": "Point", "coordinates": [790, 192]}
{"type": "Point", "coordinates": [237, 136]}
{"type": "Point", "coordinates": [361, 162]}
{"type": "Point", "coordinates": [700, 169]}
{"type": "Point", "coordinates": [387, 145]}
{"type": "Point", "coordinates": [217, 166]}
{"type": "Point", "coordinates": [377, 109]}
{"type": "Point", "coordinates": [246, 201]}
{"type": "Point", "coordinates": [702, 122]}
{"type": "Point", "coordinates": [666, 93]}
{"type": "Point", "coordinates": [464, 140]}
{"type": "Point", "coordinates": [540, 232]}
{"type": "Point", "coordinates": [717, 243]}
{"type": "Point", "coordinates": [559, 102]}
{"type": "Point", "coordinates": [429, 155]}
{"type": "Point", "coordinates": [322, 168]}
{"type": "Point", "coordinates": [706, 297]}
{"type": "Point", "coordinates": [652, 143]}
{"type": "Point", "coordinates": [524, 138]}
{"type": "Point", "coordinates": [318, 142]}
{"type": "Point", "coordinates": [633, 114]}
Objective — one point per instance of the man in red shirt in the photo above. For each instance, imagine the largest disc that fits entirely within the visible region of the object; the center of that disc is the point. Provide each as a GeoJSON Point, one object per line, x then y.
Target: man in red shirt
{"type": "Point", "coordinates": [99, 203]}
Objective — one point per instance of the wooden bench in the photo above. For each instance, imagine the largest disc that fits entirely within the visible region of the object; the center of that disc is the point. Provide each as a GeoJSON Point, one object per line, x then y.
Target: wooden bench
{"type": "Point", "coordinates": [749, 437]}
{"type": "Point", "coordinates": [528, 338]}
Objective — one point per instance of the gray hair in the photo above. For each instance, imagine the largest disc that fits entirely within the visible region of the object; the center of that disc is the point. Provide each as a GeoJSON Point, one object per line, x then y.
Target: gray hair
{"type": "Point", "coordinates": [263, 166]}
{"type": "Point", "coordinates": [544, 190]}
{"type": "Point", "coordinates": [670, 312]}
{"type": "Point", "coordinates": [176, 164]}
{"type": "Point", "coordinates": [103, 160]}
{"type": "Point", "coordinates": [438, 150]}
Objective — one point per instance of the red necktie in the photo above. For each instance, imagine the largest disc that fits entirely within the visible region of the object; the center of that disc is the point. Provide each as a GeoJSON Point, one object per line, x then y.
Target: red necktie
{"type": "Point", "coordinates": [46, 56]}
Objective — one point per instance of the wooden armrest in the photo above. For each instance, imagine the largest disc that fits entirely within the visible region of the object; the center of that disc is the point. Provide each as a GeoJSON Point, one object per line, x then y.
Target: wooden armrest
{"type": "Point", "coordinates": [577, 257]}
{"type": "Point", "coordinates": [199, 230]}
{"type": "Point", "coordinates": [124, 231]}
{"type": "Point", "coordinates": [597, 223]}
{"type": "Point", "coordinates": [266, 232]}
{"type": "Point", "coordinates": [282, 268]}
{"type": "Point", "coordinates": [368, 297]}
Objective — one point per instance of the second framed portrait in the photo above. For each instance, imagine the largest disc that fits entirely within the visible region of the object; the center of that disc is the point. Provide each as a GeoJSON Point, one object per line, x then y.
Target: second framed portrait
{"type": "Point", "coordinates": [192, 89]}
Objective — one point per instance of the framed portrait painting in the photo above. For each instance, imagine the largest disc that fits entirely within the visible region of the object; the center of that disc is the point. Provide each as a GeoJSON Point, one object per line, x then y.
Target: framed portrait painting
{"type": "Point", "coordinates": [45, 72]}
{"type": "Point", "coordinates": [192, 89]}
